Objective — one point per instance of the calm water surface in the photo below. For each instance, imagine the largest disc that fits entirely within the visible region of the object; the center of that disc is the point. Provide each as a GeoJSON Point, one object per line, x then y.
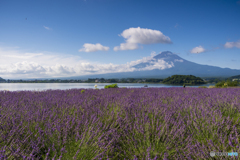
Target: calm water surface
{"type": "Point", "coordinates": [64, 86]}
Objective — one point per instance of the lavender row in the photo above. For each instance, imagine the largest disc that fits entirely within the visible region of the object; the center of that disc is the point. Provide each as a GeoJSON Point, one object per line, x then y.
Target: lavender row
{"type": "Point", "coordinates": [119, 123]}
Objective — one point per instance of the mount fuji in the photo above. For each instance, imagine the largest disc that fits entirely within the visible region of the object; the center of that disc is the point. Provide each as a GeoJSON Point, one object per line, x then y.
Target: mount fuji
{"type": "Point", "coordinates": [167, 64]}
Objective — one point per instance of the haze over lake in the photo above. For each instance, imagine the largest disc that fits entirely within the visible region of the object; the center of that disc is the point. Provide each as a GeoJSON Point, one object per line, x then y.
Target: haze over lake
{"type": "Point", "coordinates": [64, 86]}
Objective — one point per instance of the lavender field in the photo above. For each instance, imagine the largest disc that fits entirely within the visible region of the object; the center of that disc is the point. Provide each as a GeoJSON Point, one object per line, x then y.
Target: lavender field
{"type": "Point", "coordinates": [119, 123]}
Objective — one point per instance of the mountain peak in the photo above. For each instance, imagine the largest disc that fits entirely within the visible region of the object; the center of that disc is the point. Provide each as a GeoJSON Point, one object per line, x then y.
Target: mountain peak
{"type": "Point", "coordinates": [166, 64]}
{"type": "Point", "coordinates": [167, 55]}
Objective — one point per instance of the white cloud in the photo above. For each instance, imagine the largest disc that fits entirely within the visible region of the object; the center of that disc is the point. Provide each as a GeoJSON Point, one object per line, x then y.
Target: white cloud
{"type": "Point", "coordinates": [87, 47]}
{"type": "Point", "coordinates": [198, 49]}
{"type": "Point", "coordinates": [17, 65]}
{"type": "Point", "coordinates": [155, 64]}
{"type": "Point", "coordinates": [14, 64]}
{"type": "Point", "coordinates": [176, 26]}
{"type": "Point", "coordinates": [22, 68]}
{"type": "Point", "coordinates": [144, 36]}
{"type": "Point", "coordinates": [139, 35]}
{"type": "Point", "coordinates": [232, 44]}
{"type": "Point", "coordinates": [59, 70]}
{"type": "Point", "coordinates": [143, 60]}
{"type": "Point", "coordinates": [47, 28]}
{"type": "Point", "coordinates": [24, 56]}
{"type": "Point", "coordinates": [126, 46]}
{"type": "Point", "coordinates": [153, 53]}
{"type": "Point", "coordinates": [159, 64]}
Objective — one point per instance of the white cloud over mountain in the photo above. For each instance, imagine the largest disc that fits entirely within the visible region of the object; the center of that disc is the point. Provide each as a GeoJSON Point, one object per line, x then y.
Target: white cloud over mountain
{"type": "Point", "coordinates": [16, 64]}
{"type": "Point", "coordinates": [134, 36]}
{"type": "Point", "coordinates": [232, 44]}
{"type": "Point", "coordinates": [143, 60]}
{"type": "Point", "coordinates": [159, 64]}
{"type": "Point", "coordinates": [88, 47]}
{"type": "Point", "coordinates": [198, 49]}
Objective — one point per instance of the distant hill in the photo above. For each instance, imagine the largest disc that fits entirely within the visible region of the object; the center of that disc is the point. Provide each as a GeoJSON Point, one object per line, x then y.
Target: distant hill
{"type": "Point", "coordinates": [1, 79]}
{"type": "Point", "coordinates": [178, 66]}
{"type": "Point", "coordinates": [235, 77]}
{"type": "Point", "coordinates": [183, 79]}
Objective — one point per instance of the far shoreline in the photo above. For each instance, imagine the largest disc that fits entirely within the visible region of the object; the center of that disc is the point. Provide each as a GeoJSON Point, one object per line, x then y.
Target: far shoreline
{"type": "Point", "coordinates": [105, 83]}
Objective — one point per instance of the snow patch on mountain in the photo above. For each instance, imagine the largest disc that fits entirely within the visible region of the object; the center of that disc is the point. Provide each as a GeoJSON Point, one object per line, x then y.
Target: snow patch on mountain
{"type": "Point", "coordinates": [178, 60]}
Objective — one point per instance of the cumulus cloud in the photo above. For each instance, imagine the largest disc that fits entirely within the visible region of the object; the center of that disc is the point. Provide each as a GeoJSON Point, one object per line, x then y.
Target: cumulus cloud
{"type": "Point", "coordinates": [47, 28]}
{"type": "Point", "coordinates": [134, 36]}
{"type": "Point", "coordinates": [22, 68]}
{"type": "Point", "coordinates": [144, 36]}
{"type": "Point", "coordinates": [126, 46]}
{"type": "Point", "coordinates": [87, 47]}
{"type": "Point", "coordinates": [198, 49]}
{"type": "Point", "coordinates": [143, 60]}
{"type": "Point", "coordinates": [59, 70]}
{"type": "Point", "coordinates": [16, 64]}
{"type": "Point", "coordinates": [232, 44]}
{"type": "Point", "coordinates": [159, 64]}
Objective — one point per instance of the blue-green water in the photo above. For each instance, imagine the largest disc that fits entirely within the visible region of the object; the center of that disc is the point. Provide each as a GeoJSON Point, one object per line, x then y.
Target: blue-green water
{"type": "Point", "coordinates": [64, 86]}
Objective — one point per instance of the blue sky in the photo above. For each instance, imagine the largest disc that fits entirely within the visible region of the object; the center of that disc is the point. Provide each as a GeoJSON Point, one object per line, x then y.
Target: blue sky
{"type": "Point", "coordinates": [57, 38]}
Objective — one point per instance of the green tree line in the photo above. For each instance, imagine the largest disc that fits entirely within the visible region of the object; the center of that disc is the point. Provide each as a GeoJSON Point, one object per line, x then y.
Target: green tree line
{"type": "Point", "coordinates": [184, 80]}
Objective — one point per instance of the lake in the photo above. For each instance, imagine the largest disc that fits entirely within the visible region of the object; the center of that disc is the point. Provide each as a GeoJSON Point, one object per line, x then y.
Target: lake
{"type": "Point", "coordinates": [64, 86]}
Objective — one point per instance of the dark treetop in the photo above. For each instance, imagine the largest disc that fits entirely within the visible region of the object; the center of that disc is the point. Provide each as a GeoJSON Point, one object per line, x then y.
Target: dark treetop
{"type": "Point", "coordinates": [183, 79]}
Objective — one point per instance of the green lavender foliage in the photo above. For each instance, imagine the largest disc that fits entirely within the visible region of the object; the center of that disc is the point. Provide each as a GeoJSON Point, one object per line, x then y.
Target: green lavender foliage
{"type": "Point", "coordinates": [202, 87]}
{"type": "Point", "coordinates": [227, 83]}
{"type": "Point", "coordinates": [111, 86]}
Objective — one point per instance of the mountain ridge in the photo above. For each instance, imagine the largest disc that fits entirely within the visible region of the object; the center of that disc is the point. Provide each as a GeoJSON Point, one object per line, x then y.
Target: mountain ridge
{"type": "Point", "coordinates": [180, 67]}
{"type": "Point", "coordinates": [164, 65]}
